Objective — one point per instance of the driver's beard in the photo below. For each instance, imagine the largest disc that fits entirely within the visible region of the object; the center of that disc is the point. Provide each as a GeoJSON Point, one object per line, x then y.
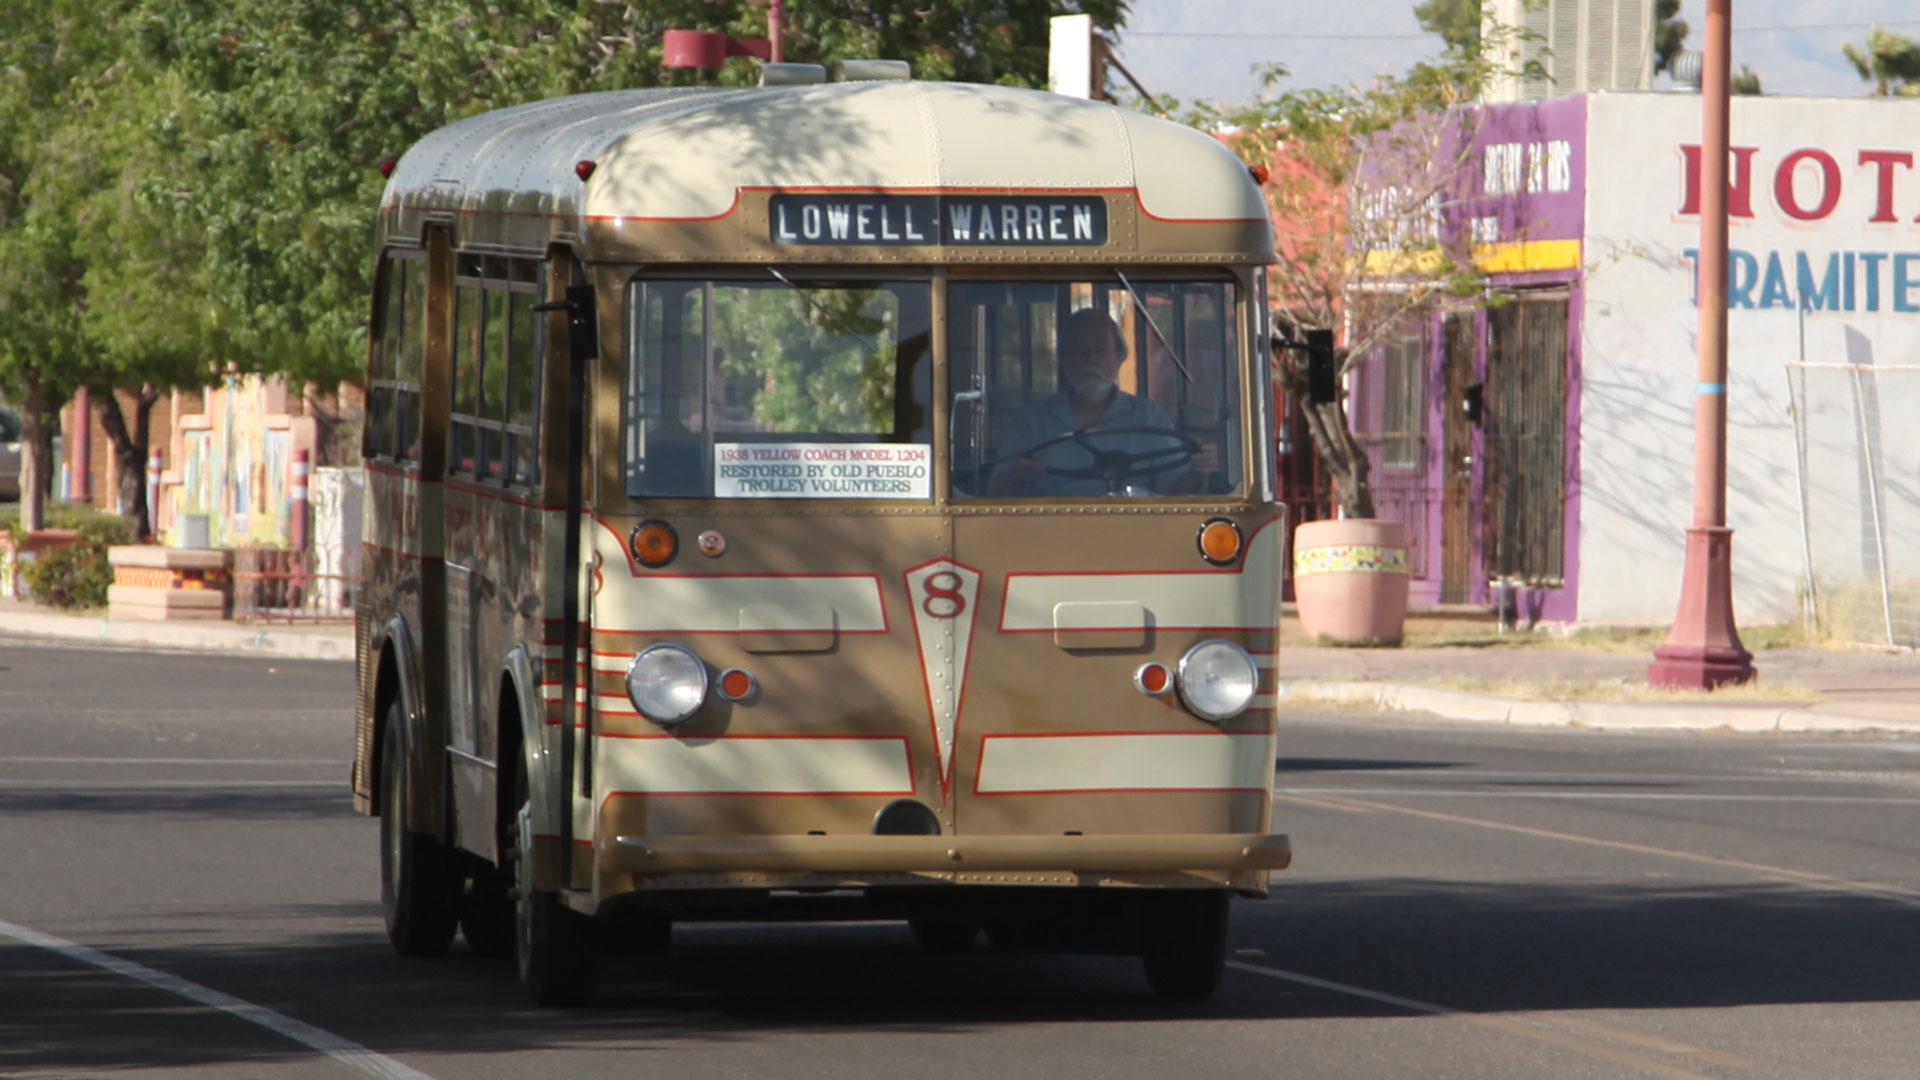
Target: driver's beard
{"type": "Point", "coordinates": [1090, 387]}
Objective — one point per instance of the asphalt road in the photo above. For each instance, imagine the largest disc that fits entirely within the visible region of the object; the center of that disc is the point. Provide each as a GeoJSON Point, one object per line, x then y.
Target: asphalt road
{"type": "Point", "coordinates": [186, 892]}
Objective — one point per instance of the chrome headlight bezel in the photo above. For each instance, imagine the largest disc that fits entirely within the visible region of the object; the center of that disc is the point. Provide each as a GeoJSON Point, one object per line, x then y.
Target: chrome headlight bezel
{"type": "Point", "coordinates": [667, 683]}
{"type": "Point", "coordinates": [1218, 680]}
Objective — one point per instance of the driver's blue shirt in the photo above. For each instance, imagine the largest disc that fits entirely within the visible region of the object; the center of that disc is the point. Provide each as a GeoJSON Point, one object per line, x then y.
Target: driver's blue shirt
{"type": "Point", "coordinates": [1052, 416]}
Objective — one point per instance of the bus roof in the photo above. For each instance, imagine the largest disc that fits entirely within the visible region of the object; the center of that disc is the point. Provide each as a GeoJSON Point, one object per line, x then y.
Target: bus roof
{"type": "Point", "coordinates": [685, 155]}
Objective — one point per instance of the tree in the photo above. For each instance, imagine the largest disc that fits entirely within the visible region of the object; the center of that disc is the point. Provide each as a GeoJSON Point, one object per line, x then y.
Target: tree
{"type": "Point", "coordinates": [1745, 81]}
{"type": "Point", "coordinates": [1669, 34]}
{"type": "Point", "coordinates": [1890, 61]}
{"type": "Point", "coordinates": [1356, 172]}
{"type": "Point", "coordinates": [1456, 21]}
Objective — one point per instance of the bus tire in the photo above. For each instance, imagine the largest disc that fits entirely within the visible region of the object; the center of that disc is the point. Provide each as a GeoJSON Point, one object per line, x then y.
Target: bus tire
{"type": "Point", "coordinates": [486, 915]}
{"type": "Point", "coordinates": [1183, 941]}
{"type": "Point", "coordinates": [553, 944]}
{"type": "Point", "coordinates": [419, 883]}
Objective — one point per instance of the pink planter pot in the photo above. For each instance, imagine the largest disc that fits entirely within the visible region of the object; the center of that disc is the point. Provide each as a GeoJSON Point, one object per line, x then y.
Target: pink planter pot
{"type": "Point", "coordinates": [1350, 580]}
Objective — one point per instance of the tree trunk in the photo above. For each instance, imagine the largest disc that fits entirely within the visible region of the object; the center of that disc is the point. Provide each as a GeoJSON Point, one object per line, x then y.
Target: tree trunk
{"type": "Point", "coordinates": [130, 453]}
{"type": "Point", "coordinates": [1333, 443]}
{"type": "Point", "coordinates": [39, 419]}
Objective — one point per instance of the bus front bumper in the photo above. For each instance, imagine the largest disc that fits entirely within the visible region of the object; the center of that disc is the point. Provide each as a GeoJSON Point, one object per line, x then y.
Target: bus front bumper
{"type": "Point", "coordinates": [1131, 854]}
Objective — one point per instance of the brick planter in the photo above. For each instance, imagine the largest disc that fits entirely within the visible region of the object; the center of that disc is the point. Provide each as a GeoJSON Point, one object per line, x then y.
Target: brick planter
{"type": "Point", "coordinates": [168, 583]}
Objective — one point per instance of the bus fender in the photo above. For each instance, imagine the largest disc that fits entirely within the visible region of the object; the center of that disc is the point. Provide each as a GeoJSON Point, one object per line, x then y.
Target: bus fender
{"type": "Point", "coordinates": [542, 760]}
{"type": "Point", "coordinates": [423, 811]}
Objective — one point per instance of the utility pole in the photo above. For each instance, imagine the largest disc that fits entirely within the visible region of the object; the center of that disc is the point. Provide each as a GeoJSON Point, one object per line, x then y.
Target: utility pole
{"type": "Point", "coordinates": [1703, 649]}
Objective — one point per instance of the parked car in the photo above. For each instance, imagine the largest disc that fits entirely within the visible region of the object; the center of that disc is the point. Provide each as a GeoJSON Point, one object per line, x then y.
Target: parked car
{"type": "Point", "coordinates": [9, 453]}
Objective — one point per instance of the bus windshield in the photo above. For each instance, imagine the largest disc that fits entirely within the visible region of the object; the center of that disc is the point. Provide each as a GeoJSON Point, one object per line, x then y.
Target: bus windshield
{"type": "Point", "coordinates": [782, 387]}
{"type": "Point", "coordinates": [1120, 386]}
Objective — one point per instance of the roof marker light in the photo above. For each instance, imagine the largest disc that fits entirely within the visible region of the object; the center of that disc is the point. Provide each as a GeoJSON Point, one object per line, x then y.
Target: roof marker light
{"type": "Point", "coordinates": [386, 169]}
{"type": "Point", "coordinates": [583, 169]}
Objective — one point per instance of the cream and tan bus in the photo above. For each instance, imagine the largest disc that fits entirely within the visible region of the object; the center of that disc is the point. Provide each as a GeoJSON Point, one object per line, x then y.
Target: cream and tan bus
{"type": "Point", "coordinates": [834, 499]}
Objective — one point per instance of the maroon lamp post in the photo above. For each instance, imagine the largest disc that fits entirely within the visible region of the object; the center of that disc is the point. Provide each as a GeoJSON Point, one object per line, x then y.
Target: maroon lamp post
{"type": "Point", "coordinates": [1703, 649]}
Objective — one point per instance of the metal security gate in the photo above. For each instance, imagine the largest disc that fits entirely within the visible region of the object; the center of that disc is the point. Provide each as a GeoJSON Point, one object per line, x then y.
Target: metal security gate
{"type": "Point", "coordinates": [1526, 439]}
{"type": "Point", "coordinates": [1855, 445]}
{"type": "Point", "coordinates": [1461, 412]}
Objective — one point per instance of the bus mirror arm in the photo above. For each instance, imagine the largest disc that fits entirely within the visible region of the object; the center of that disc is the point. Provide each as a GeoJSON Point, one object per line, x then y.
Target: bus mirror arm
{"type": "Point", "coordinates": [583, 329]}
{"type": "Point", "coordinates": [1323, 377]}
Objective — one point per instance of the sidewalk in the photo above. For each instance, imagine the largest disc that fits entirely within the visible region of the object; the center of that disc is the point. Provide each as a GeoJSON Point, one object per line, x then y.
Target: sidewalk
{"type": "Point", "coordinates": [317, 641]}
{"type": "Point", "coordinates": [1851, 690]}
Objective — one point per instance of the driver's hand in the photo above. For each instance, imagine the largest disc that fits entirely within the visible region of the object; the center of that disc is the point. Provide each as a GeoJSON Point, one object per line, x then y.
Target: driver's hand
{"type": "Point", "coordinates": [1206, 461]}
{"type": "Point", "coordinates": [1019, 475]}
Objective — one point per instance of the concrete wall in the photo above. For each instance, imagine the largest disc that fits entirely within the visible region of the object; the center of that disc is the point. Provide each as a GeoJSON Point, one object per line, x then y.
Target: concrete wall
{"type": "Point", "coordinates": [1826, 201]}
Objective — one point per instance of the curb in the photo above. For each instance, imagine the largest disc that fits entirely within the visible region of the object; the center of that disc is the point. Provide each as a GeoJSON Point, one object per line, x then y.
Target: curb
{"type": "Point", "coordinates": [281, 641]}
{"type": "Point", "coordinates": [1598, 715]}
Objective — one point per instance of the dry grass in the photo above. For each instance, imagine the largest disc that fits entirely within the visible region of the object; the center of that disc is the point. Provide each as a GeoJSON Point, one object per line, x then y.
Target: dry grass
{"type": "Point", "coordinates": [1613, 639]}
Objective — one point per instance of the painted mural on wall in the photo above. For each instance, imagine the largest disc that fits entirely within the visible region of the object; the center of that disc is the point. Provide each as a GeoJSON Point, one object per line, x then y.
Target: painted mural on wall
{"type": "Point", "coordinates": [230, 483]}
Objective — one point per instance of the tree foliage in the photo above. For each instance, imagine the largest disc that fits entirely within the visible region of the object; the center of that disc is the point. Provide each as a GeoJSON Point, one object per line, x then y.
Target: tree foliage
{"type": "Point", "coordinates": [1890, 61]}
{"type": "Point", "coordinates": [188, 185]}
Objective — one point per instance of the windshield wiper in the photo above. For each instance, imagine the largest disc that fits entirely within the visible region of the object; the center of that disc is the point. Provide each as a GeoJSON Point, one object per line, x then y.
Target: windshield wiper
{"type": "Point", "coordinates": [1157, 332]}
{"type": "Point", "coordinates": [872, 349]}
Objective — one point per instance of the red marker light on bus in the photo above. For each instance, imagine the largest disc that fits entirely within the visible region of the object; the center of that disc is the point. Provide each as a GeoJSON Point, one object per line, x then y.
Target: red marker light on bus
{"type": "Point", "coordinates": [737, 685]}
{"type": "Point", "coordinates": [583, 169]}
{"type": "Point", "coordinates": [1260, 173]}
{"type": "Point", "coordinates": [386, 168]}
{"type": "Point", "coordinates": [1153, 679]}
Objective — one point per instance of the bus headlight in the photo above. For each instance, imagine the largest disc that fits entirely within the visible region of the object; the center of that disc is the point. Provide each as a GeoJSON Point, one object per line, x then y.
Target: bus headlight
{"type": "Point", "coordinates": [1217, 679]}
{"type": "Point", "coordinates": [667, 683]}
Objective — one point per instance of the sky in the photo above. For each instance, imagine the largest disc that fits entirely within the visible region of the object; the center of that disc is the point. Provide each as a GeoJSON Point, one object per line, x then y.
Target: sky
{"type": "Point", "coordinates": [1205, 49]}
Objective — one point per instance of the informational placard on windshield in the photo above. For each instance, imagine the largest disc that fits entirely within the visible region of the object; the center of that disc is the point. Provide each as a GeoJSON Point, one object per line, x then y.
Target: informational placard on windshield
{"type": "Point", "coordinates": [812, 470]}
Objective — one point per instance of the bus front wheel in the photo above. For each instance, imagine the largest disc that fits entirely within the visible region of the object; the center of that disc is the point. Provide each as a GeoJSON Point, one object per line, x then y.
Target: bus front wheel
{"type": "Point", "coordinates": [1184, 943]}
{"type": "Point", "coordinates": [419, 883]}
{"type": "Point", "coordinates": [553, 943]}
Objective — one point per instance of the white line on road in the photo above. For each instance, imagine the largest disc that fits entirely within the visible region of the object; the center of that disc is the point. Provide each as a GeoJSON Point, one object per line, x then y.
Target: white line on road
{"type": "Point", "coordinates": [169, 761]}
{"type": "Point", "coordinates": [1546, 1031]}
{"type": "Point", "coordinates": [1618, 796]}
{"type": "Point", "coordinates": [146, 785]}
{"type": "Point", "coordinates": [344, 1051]}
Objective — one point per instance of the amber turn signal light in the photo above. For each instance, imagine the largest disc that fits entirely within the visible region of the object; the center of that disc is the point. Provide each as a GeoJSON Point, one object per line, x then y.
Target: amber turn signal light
{"type": "Point", "coordinates": [654, 543]}
{"type": "Point", "coordinates": [1220, 542]}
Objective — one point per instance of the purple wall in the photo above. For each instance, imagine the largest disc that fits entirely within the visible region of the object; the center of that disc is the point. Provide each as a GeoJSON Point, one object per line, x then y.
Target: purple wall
{"type": "Point", "coordinates": [1519, 181]}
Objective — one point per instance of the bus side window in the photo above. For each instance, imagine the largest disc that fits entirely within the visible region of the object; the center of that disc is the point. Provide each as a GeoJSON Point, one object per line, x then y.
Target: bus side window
{"type": "Point", "coordinates": [469, 326]}
{"type": "Point", "coordinates": [492, 411]}
{"type": "Point", "coordinates": [523, 389]}
{"type": "Point", "coordinates": [411, 361]}
{"type": "Point", "coordinates": [377, 439]}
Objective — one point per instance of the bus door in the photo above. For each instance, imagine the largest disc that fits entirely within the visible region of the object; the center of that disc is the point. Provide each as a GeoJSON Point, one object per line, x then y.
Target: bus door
{"type": "Point", "coordinates": [1097, 426]}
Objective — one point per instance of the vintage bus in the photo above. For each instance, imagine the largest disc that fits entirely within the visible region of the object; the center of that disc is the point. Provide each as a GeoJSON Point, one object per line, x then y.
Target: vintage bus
{"type": "Point", "coordinates": [828, 499]}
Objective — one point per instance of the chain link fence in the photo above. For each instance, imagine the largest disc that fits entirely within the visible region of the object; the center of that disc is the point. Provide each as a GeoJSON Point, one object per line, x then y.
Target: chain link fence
{"type": "Point", "coordinates": [1857, 440]}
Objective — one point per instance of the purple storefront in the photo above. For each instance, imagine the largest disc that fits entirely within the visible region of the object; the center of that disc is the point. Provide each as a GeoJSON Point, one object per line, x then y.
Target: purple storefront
{"type": "Point", "coordinates": [1469, 406]}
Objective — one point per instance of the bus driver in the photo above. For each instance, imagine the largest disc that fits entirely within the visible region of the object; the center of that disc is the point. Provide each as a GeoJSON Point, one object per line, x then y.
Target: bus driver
{"type": "Point", "coordinates": [1094, 438]}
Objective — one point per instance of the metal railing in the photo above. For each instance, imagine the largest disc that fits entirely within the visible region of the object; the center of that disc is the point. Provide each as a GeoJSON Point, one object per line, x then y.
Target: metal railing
{"type": "Point", "coordinates": [280, 585]}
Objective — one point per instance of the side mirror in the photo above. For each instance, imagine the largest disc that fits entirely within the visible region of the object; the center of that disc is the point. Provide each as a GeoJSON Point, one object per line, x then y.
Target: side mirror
{"type": "Point", "coordinates": [1323, 377]}
{"type": "Point", "coordinates": [583, 323]}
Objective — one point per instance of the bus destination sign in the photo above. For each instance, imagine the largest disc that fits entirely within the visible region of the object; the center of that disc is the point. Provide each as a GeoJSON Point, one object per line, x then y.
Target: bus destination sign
{"type": "Point", "coordinates": [950, 220]}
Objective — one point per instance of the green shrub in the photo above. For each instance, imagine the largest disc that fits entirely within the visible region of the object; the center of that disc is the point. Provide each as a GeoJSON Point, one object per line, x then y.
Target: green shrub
{"type": "Point", "coordinates": [74, 575]}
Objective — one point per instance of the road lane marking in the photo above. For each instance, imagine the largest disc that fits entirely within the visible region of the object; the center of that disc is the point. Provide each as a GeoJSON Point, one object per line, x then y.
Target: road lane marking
{"type": "Point", "coordinates": [1615, 796]}
{"type": "Point", "coordinates": [341, 1050]}
{"type": "Point", "coordinates": [145, 785]}
{"type": "Point", "coordinates": [1897, 893]}
{"type": "Point", "coordinates": [1531, 1027]}
{"type": "Point", "coordinates": [171, 761]}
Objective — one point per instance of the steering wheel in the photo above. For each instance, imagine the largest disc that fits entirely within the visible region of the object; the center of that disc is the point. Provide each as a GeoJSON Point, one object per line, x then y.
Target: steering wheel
{"type": "Point", "coordinates": [1115, 465]}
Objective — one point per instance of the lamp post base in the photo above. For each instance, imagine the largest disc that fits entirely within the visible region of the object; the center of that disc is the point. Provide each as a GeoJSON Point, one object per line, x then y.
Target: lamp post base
{"type": "Point", "coordinates": [1703, 649]}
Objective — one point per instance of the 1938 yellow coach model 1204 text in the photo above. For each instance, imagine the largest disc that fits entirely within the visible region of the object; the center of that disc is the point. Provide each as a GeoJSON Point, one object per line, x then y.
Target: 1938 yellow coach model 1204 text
{"type": "Point", "coordinates": [830, 497]}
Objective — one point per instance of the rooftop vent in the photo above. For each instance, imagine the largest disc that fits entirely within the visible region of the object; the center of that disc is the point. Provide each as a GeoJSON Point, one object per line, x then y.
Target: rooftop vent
{"type": "Point", "coordinates": [791, 74]}
{"type": "Point", "coordinates": [875, 71]}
